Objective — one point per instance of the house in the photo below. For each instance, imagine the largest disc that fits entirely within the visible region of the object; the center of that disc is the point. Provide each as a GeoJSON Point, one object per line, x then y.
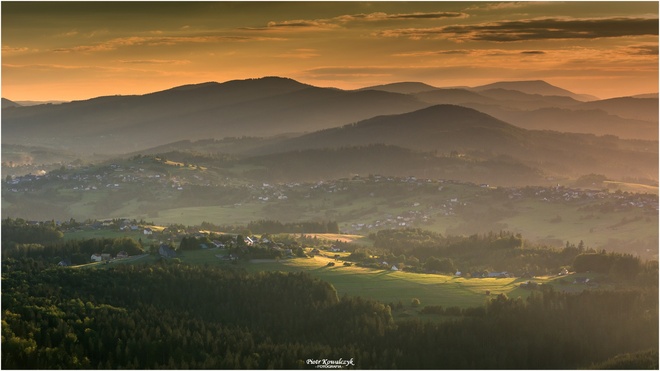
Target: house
{"type": "Point", "coordinates": [64, 263]}
{"type": "Point", "coordinates": [122, 255]}
{"type": "Point", "coordinates": [96, 258]}
{"type": "Point", "coordinates": [148, 232]}
{"type": "Point", "coordinates": [249, 241]}
{"type": "Point", "coordinates": [458, 273]}
{"type": "Point", "coordinates": [166, 252]}
{"type": "Point", "coordinates": [394, 268]}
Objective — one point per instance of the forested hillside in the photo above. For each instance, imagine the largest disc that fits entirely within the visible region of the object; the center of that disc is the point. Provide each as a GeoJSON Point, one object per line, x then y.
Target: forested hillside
{"type": "Point", "coordinates": [190, 317]}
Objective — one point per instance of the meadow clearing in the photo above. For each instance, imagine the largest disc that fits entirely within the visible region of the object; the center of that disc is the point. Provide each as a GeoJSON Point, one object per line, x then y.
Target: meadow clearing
{"type": "Point", "coordinates": [385, 285]}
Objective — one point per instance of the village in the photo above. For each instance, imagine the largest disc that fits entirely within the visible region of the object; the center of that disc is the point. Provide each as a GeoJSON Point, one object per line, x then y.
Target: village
{"type": "Point", "coordinates": [360, 204]}
{"type": "Point", "coordinates": [151, 173]}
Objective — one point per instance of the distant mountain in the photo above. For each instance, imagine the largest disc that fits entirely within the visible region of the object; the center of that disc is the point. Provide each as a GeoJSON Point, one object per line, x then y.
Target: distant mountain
{"type": "Point", "coordinates": [254, 107]}
{"type": "Point", "coordinates": [26, 103]}
{"type": "Point", "coordinates": [273, 106]}
{"type": "Point", "coordinates": [522, 100]}
{"type": "Point", "coordinates": [439, 127]}
{"type": "Point", "coordinates": [454, 96]}
{"type": "Point", "coordinates": [534, 87]}
{"type": "Point", "coordinates": [402, 87]}
{"type": "Point", "coordinates": [506, 99]}
{"type": "Point", "coordinates": [446, 129]}
{"type": "Point", "coordinates": [6, 103]}
{"type": "Point", "coordinates": [649, 95]}
{"type": "Point", "coordinates": [627, 107]}
{"type": "Point", "coordinates": [630, 118]}
{"type": "Point", "coordinates": [593, 121]}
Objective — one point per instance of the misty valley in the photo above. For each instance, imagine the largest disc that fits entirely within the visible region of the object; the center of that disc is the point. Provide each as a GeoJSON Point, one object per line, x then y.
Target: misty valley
{"type": "Point", "coordinates": [267, 223]}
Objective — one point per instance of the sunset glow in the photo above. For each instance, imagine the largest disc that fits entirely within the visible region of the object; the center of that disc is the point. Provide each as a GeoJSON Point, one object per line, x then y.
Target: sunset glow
{"type": "Point", "coordinates": [80, 50]}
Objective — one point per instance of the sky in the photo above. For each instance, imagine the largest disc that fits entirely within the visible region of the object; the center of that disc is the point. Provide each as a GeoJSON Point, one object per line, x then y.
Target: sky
{"type": "Point", "coordinates": [79, 50]}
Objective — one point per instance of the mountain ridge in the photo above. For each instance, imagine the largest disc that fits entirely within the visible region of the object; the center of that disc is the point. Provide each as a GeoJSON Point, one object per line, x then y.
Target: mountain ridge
{"type": "Point", "coordinates": [534, 87]}
{"type": "Point", "coordinates": [272, 105]}
{"type": "Point", "coordinates": [268, 106]}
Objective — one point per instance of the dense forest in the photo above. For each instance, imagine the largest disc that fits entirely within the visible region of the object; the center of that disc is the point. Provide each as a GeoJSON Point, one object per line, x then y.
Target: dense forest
{"type": "Point", "coordinates": [180, 316]}
{"type": "Point", "coordinates": [422, 250]}
{"type": "Point", "coordinates": [170, 315]}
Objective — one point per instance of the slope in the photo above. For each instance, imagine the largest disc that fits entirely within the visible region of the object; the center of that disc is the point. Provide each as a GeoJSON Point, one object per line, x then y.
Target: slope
{"type": "Point", "coordinates": [266, 106]}
{"type": "Point", "coordinates": [534, 87]}
{"type": "Point", "coordinates": [447, 129]}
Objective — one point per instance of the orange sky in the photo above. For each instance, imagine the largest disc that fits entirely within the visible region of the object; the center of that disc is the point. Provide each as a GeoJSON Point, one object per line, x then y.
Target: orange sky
{"type": "Point", "coordinates": [79, 50]}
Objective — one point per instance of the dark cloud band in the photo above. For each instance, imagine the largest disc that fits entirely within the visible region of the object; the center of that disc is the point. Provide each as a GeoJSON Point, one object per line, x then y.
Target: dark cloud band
{"type": "Point", "coordinates": [538, 29]}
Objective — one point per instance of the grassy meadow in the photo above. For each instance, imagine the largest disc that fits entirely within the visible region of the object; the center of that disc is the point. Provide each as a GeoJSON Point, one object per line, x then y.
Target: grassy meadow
{"type": "Point", "coordinates": [386, 286]}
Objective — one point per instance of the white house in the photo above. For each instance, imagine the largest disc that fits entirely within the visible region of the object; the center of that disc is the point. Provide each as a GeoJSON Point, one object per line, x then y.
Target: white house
{"type": "Point", "coordinates": [96, 258]}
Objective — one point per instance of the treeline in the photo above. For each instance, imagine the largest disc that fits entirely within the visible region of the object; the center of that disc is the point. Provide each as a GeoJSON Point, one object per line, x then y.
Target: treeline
{"type": "Point", "coordinates": [423, 251]}
{"type": "Point", "coordinates": [274, 226]}
{"type": "Point", "coordinates": [20, 231]}
{"type": "Point", "coordinates": [195, 317]}
{"type": "Point", "coordinates": [622, 266]}
{"type": "Point", "coordinates": [74, 251]}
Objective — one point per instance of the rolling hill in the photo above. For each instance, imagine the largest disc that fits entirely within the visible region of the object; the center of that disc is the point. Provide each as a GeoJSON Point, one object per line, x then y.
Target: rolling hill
{"type": "Point", "coordinates": [447, 129]}
{"type": "Point", "coordinates": [273, 106]}
{"type": "Point", "coordinates": [628, 107]}
{"type": "Point", "coordinates": [628, 118]}
{"type": "Point", "coordinates": [6, 103]}
{"type": "Point", "coordinates": [594, 121]}
{"type": "Point", "coordinates": [266, 106]}
{"type": "Point", "coordinates": [534, 87]}
{"type": "Point", "coordinates": [402, 87]}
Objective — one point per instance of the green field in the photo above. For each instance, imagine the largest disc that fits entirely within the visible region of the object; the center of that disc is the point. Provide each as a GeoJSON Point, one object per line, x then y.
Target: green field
{"type": "Point", "coordinates": [386, 286]}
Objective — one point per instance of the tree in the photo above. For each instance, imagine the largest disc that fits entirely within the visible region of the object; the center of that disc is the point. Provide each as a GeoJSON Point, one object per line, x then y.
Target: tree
{"type": "Point", "coordinates": [444, 265]}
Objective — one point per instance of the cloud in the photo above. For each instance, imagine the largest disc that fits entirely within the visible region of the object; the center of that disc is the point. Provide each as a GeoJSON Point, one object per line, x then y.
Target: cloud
{"type": "Point", "coordinates": [471, 52]}
{"type": "Point", "coordinates": [50, 67]}
{"type": "Point", "coordinates": [300, 54]}
{"type": "Point", "coordinates": [532, 52]}
{"type": "Point", "coordinates": [650, 50]}
{"type": "Point", "coordinates": [117, 43]}
{"type": "Point", "coordinates": [434, 53]}
{"type": "Point", "coordinates": [535, 29]}
{"type": "Point", "coordinates": [340, 21]}
{"type": "Point", "coordinates": [6, 49]}
{"type": "Point", "coordinates": [508, 5]}
{"type": "Point", "coordinates": [155, 61]}
{"type": "Point", "coordinates": [380, 16]}
{"type": "Point", "coordinates": [320, 24]}
{"type": "Point", "coordinates": [68, 34]}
